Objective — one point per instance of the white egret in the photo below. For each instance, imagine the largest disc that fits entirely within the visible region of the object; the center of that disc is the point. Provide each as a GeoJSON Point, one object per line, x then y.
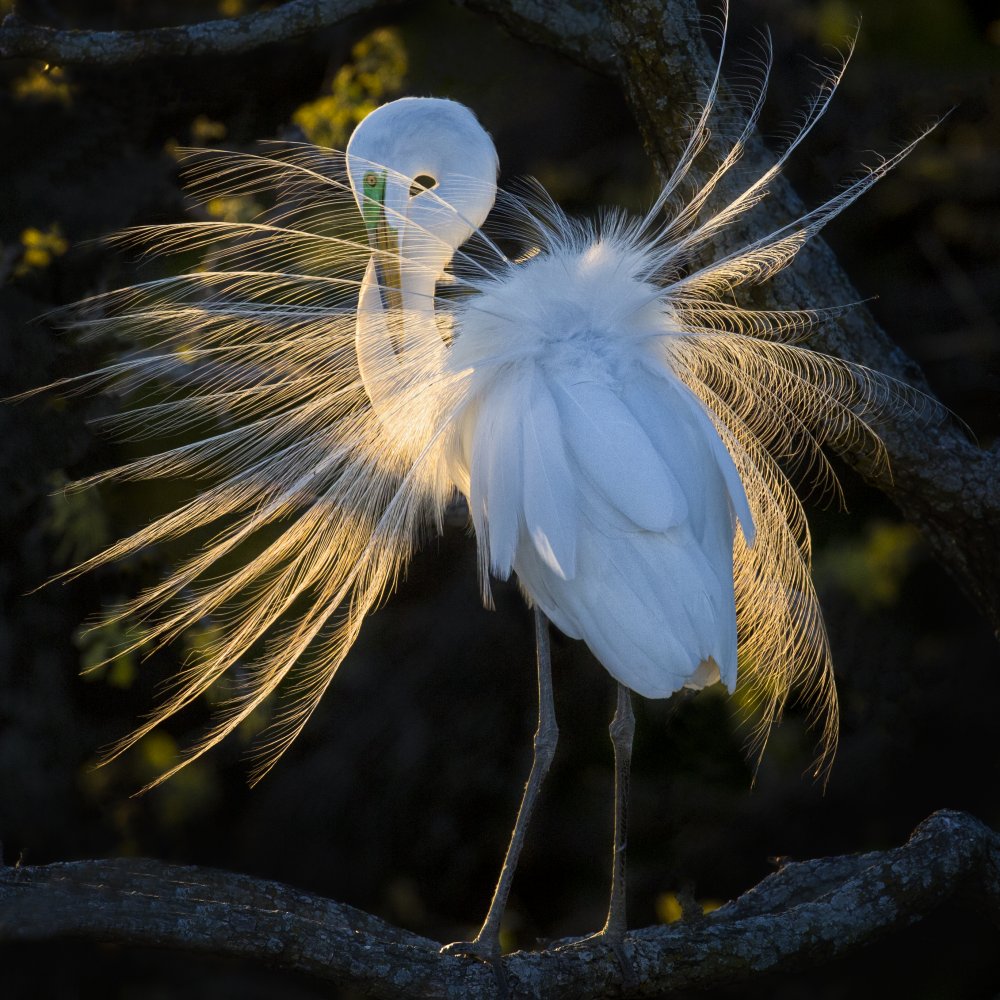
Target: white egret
{"type": "Point", "coordinates": [614, 418]}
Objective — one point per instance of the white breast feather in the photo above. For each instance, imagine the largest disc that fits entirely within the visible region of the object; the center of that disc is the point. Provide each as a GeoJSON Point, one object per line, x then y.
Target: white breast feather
{"type": "Point", "coordinates": [595, 474]}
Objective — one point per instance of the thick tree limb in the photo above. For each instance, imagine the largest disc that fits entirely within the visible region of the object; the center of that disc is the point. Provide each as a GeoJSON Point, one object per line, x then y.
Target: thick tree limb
{"type": "Point", "coordinates": [20, 39]}
{"type": "Point", "coordinates": [939, 479]}
{"type": "Point", "coordinates": [805, 912]}
{"type": "Point", "coordinates": [577, 29]}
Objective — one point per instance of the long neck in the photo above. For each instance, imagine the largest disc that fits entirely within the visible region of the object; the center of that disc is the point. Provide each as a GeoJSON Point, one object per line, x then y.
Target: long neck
{"type": "Point", "coordinates": [419, 283]}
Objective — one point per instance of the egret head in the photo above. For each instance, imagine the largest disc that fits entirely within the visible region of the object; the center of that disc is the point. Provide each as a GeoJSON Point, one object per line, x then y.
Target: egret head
{"type": "Point", "coordinates": [423, 171]}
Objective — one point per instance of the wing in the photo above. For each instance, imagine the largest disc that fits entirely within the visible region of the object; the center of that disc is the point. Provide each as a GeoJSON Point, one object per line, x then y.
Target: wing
{"type": "Point", "coordinates": [313, 496]}
{"type": "Point", "coordinates": [616, 509]}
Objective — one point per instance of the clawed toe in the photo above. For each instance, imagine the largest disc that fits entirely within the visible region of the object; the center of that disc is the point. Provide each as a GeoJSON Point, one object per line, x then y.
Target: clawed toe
{"type": "Point", "coordinates": [481, 951]}
{"type": "Point", "coordinates": [607, 939]}
{"type": "Point", "coordinates": [484, 951]}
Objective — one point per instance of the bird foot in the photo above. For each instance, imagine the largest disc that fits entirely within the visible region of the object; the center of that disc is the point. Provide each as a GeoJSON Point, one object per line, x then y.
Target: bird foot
{"type": "Point", "coordinates": [484, 951]}
{"type": "Point", "coordinates": [613, 939]}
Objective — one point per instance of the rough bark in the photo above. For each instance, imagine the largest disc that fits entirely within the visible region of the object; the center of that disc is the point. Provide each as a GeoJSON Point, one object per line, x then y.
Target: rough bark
{"type": "Point", "coordinates": [804, 913]}
{"type": "Point", "coordinates": [940, 480]}
{"type": "Point", "coordinates": [577, 29]}
{"type": "Point", "coordinates": [63, 47]}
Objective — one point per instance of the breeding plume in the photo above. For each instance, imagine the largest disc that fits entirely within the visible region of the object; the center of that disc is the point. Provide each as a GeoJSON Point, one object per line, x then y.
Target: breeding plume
{"type": "Point", "coordinates": [364, 350]}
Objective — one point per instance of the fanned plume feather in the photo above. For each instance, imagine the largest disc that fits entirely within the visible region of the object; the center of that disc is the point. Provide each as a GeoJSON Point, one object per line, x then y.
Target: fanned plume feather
{"type": "Point", "coordinates": [256, 353]}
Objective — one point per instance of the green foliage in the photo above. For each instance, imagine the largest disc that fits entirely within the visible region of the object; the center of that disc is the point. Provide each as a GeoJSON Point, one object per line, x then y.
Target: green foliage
{"type": "Point", "coordinates": [934, 32]}
{"type": "Point", "coordinates": [872, 568]}
{"type": "Point", "coordinates": [101, 652]}
{"type": "Point", "coordinates": [240, 208]}
{"type": "Point", "coordinates": [200, 641]}
{"type": "Point", "coordinates": [376, 72]}
{"type": "Point", "coordinates": [174, 806]}
{"type": "Point", "coordinates": [835, 21]}
{"type": "Point", "coordinates": [76, 520]}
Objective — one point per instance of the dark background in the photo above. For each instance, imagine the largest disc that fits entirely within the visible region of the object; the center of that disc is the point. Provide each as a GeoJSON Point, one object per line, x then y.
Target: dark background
{"type": "Point", "coordinates": [400, 795]}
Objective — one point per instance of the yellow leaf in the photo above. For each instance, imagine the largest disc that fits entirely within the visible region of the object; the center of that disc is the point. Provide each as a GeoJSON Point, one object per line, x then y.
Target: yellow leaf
{"type": "Point", "coordinates": [668, 908]}
{"type": "Point", "coordinates": [377, 69]}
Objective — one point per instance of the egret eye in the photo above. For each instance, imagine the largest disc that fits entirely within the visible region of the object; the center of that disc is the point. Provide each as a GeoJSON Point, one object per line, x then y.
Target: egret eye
{"type": "Point", "coordinates": [422, 182]}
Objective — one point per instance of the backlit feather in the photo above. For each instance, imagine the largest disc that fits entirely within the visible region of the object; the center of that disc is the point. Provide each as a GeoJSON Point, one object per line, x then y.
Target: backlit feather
{"type": "Point", "coordinates": [624, 430]}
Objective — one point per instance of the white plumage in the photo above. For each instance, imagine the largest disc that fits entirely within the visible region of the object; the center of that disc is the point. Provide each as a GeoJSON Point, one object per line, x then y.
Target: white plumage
{"type": "Point", "coordinates": [594, 474]}
{"type": "Point", "coordinates": [614, 418]}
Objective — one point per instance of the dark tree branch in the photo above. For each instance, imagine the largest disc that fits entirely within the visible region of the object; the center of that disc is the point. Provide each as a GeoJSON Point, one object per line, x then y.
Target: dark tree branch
{"type": "Point", "coordinates": [939, 479]}
{"type": "Point", "coordinates": [577, 29]}
{"type": "Point", "coordinates": [804, 913]}
{"type": "Point", "coordinates": [20, 39]}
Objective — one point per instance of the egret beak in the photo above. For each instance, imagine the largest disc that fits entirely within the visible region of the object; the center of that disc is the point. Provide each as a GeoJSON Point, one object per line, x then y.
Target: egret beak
{"type": "Point", "coordinates": [386, 243]}
{"type": "Point", "coordinates": [384, 240]}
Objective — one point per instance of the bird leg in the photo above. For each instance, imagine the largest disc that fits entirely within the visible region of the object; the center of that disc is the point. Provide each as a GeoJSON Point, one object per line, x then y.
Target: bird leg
{"type": "Point", "coordinates": [486, 944]}
{"type": "Point", "coordinates": [622, 730]}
